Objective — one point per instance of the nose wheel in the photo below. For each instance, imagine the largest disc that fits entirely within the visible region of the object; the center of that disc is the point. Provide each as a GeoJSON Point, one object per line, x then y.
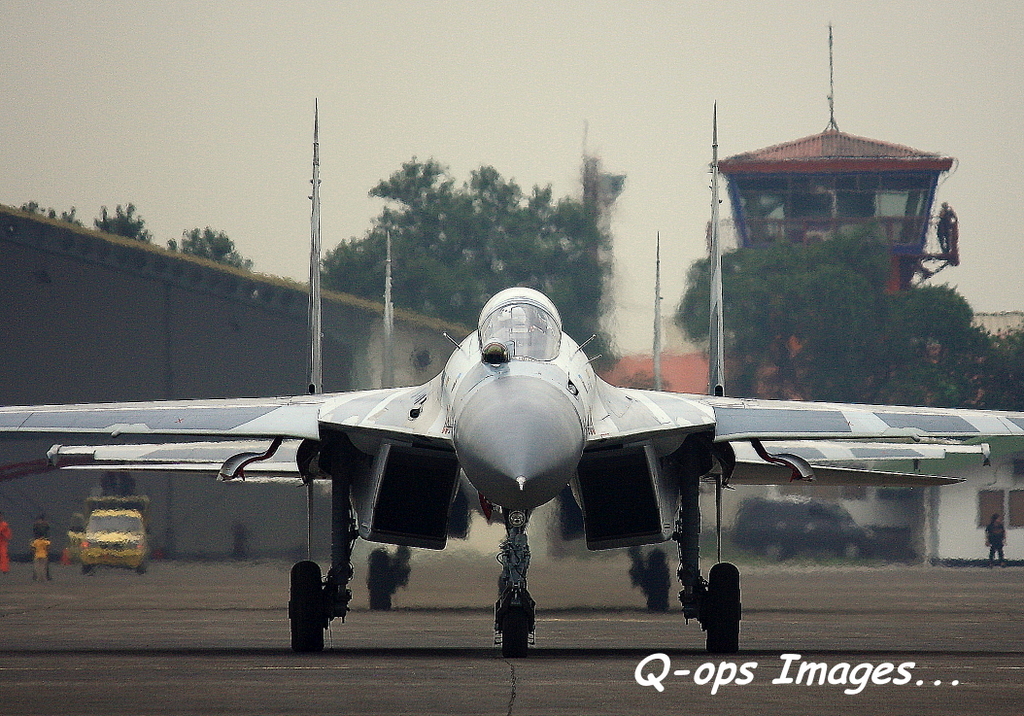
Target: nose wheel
{"type": "Point", "coordinates": [514, 621]}
{"type": "Point", "coordinates": [515, 610]}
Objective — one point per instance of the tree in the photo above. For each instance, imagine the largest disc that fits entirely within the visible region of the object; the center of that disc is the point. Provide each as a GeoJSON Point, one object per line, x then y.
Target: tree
{"type": "Point", "coordinates": [123, 223]}
{"type": "Point", "coordinates": [212, 245]}
{"type": "Point", "coordinates": [68, 217]}
{"type": "Point", "coordinates": [815, 322]}
{"type": "Point", "coordinates": [1003, 384]}
{"type": "Point", "coordinates": [453, 247]}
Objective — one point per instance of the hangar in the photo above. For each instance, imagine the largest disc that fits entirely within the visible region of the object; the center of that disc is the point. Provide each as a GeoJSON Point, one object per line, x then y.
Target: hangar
{"type": "Point", "coordinates": [93, 317]}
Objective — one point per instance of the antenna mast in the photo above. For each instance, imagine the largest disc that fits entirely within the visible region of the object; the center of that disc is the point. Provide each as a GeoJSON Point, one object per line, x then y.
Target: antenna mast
{"type": "Point", "coordinates": [316, 377]}
{"type": "Point", "coordinates": [657, 315]}
{"type": "Point", "coordinates": [716, 354]}
{"type": "Point", "coordinates": [831, 85]}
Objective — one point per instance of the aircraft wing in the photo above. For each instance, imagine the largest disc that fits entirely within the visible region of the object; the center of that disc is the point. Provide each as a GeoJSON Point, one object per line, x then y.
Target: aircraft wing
{"type": "Point", "coordinates": [745, 419]}
{"type": "Point", "coordinates": [626, 413]}
{"type": "Point", "coordinates": [382, 411]}
{"type": "Point", "coordinates": [832, 443]}
{"type": "Point", "coordinates": [370, 415]}
{"type": "Point", "coordinates": [294, 417]}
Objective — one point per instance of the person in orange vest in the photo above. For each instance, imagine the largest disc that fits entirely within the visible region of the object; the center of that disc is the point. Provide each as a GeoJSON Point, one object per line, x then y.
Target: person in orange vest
{"type": "Point", "coordinates": [5, 538]}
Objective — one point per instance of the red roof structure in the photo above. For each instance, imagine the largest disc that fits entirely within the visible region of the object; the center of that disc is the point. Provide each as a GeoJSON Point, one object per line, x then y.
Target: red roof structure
{"type": "Point", "coordinates": [834, 151]}
{"type": "Point", "coordinates": [679, 373]}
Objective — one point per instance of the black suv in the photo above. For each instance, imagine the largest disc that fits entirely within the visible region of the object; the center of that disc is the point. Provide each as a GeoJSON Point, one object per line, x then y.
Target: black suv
{"type": "Point", "coordinates": [782, 528]}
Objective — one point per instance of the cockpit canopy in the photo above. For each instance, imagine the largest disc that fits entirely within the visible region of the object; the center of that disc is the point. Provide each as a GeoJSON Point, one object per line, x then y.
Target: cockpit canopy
{"type": "Point", "coordinates": [522, 320]}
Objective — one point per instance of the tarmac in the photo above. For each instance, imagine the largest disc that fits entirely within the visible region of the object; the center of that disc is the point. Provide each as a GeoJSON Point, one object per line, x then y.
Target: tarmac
{"type": "Point", "coordinates": [212, 638]}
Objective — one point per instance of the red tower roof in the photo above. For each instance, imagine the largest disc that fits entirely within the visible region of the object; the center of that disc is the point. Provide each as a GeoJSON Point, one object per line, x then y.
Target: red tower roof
{"type": "Point", "coordinates": [833, 151]}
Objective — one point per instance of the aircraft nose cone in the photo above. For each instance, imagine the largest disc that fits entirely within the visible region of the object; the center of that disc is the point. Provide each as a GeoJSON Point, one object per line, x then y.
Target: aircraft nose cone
{"type": "Point", "coordinates": [519, 439]}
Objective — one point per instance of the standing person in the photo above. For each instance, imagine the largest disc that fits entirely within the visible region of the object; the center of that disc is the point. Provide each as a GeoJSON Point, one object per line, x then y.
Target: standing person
{"type": "Point", "coordinates": [995, 538]}
{"type": "Point", "coordinates": [41, 528]}
{"type": "Point", "coordinates": [946, 227]}
{"type": "Point", "coordinates": [5, 538]}
{"type": "Point", "coordinates": [41, 559]}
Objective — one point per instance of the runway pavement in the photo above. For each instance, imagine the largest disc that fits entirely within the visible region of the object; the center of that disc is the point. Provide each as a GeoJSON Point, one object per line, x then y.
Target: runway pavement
{"type": "Point", "coordinates": [213, 639]}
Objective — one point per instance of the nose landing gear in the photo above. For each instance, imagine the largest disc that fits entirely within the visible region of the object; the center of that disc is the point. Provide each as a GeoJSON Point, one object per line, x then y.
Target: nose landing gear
{"type": "Point", "coordinates": [515, 610]}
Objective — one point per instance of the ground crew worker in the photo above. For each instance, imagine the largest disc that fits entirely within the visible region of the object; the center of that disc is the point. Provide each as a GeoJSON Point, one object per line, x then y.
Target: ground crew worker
{"type": "Point", "coordinates": [995, 538]}
{"type": "Point", "coordinates": [5, 538]}
{"type": "Point", "coordinates": [41, 559]}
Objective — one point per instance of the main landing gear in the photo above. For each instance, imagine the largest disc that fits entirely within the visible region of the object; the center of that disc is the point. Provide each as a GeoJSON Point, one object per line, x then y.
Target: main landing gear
{"type": "Point", "coordinates": [313, 600]}
{"type": "Point", "coordinates": [515, 610]}
{"type": "Point", "coordinates": [715, 603]}
{"type": "Point", "coordinates": [720, 609]}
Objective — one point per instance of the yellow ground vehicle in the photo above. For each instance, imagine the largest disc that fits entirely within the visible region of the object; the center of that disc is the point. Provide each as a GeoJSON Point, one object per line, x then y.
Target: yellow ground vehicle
{"type": "Point", "coordinates": [115, 534]}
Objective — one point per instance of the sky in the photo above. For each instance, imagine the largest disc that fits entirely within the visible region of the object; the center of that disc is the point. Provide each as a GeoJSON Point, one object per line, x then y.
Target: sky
{"type": "Point", "coordinates": [201, 114]}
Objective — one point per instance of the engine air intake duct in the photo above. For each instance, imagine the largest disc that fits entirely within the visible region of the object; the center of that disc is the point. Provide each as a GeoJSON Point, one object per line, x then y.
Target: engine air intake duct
{"type": "Point", "coordinates": [410, 496]}
{"type": "Point", "coordinates": [620, 498]}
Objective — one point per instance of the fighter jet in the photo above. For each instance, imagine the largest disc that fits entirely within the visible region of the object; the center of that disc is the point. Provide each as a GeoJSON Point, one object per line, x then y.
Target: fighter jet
{"type": "Point", "coordinates": [519, 412]}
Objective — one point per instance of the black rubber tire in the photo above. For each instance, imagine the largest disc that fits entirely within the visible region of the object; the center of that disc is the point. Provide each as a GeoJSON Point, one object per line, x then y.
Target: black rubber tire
{"type": "Point", "coordinates": [306, 607]}
{"type": "Point", "coordinates": [515, 634]}
{"type": "Point", "coordinates": [723, 609]}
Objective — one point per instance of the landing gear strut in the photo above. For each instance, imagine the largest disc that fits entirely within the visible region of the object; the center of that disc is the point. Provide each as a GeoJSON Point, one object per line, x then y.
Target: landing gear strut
{"type": "Point", "coordinates": [515, 610]}
{"type": "Point", "coordinates": [314, 601]}
{"type": "Point", "coordinates": [715, 603]}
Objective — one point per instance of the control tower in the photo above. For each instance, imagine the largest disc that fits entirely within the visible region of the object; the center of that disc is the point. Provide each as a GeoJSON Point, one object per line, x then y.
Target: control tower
{"type": "Point", "coordinates": [809, 189]}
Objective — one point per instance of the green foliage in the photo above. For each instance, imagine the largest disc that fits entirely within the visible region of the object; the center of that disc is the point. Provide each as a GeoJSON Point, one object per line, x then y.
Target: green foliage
{"type": "Point", "coordinates": [453, 247]}
{"type": "Point", "coordinates": [815, 322]}
{"type": "Point", "coordinates": [1003, 388]}
{"type": "Point", "coordinates": [67, 217]}
{"type": "Point", "coordinates": [212, 245]}
{"type": "Point", "coordinates": [123, 223]}
{"type": "Point", "coordinates": [935, 355]}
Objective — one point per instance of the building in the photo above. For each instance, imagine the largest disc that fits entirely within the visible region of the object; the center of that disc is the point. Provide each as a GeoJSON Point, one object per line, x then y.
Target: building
{"type": "Point", "coordinates": [1001, 323]}
{"type": "Point", "coordinates": [810, 189]}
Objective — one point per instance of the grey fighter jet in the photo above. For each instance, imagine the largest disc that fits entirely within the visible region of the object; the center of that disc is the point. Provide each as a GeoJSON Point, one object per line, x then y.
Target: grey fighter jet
{"type": "Point", "coordinates": [520, 413]}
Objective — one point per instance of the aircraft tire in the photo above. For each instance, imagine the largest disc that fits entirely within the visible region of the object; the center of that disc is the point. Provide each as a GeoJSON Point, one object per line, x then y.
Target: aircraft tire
{"type": "Point", "coordinates": [723, 609]}
{"type": "Point", "coordinates": [306, 607]}
{"type": "Point", "coordinates": [515, 633]}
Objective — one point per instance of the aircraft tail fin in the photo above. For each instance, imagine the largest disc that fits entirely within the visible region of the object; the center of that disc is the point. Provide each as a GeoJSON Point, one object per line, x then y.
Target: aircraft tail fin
{"type": "Point", "coordinates": [716, 353]}
{"type": "Point", "coordinates": [316, 377]}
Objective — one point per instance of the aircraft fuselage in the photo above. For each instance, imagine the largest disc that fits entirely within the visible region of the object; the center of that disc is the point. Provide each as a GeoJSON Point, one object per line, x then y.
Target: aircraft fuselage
{"type": "Point", "coordinates": [520, 418]}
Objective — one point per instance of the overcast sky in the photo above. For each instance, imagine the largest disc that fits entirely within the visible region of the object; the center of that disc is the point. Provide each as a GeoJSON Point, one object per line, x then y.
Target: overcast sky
{"type": "Point", "coordinates": [201, 113]}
